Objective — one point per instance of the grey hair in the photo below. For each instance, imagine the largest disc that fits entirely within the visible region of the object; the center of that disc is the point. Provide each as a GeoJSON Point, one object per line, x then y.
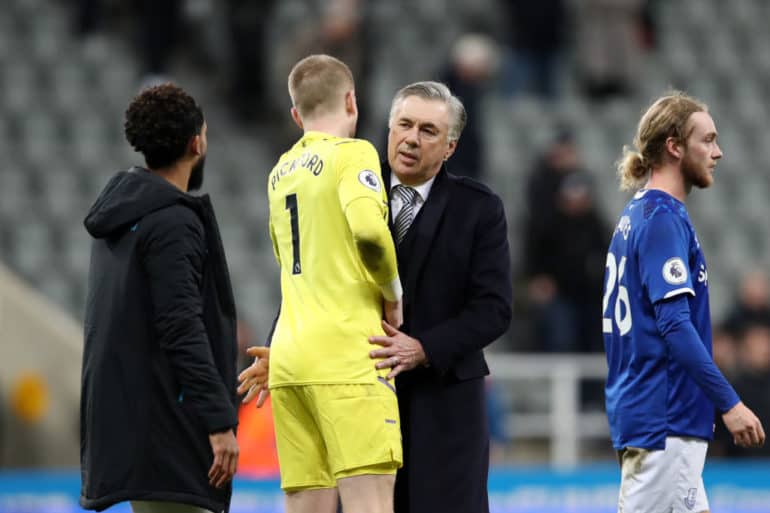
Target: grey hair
{"type": "Point", "coordinates": [430, 90]}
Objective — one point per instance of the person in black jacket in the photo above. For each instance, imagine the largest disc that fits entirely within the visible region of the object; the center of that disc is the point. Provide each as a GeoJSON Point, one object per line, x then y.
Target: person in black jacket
{"type": "Point", "coordinates": [158, 404]}
{"type": "Point", "coordinates": [454, 258]}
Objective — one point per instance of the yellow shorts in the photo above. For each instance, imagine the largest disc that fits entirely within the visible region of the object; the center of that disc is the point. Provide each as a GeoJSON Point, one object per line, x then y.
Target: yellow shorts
{"type": "Point", "coordinates": [328, 432]}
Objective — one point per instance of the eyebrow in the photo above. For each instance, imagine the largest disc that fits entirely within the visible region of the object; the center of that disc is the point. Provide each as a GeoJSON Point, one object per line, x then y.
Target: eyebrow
{"type": "Point", "coordinates": [425, 124]}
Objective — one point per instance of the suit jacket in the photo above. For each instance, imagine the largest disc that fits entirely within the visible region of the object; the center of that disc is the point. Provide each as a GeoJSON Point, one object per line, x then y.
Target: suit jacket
{"type": "Point", "coordinates": [454, 264]}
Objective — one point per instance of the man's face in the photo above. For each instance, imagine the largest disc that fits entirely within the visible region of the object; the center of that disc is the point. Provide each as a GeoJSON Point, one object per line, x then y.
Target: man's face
{"type": "Point", "coordinates": [418, 139]}
{"type": "Point", "coordinates": [701, 152]}
{"type": "Point", "coordinates": [196, 176]}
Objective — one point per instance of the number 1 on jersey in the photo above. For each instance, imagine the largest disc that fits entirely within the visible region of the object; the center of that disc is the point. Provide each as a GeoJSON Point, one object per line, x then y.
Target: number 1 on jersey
{"type": "Point", "coordinates": [291, 206]}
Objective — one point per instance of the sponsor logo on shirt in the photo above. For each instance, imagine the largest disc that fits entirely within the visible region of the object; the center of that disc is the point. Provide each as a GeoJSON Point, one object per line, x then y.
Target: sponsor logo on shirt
{"type": "Point", "coordinates": [674, 271]}
{"type": "Point", "coordinates": [703, 275]}
{"type": "Point", "coordinates": [369, 179]}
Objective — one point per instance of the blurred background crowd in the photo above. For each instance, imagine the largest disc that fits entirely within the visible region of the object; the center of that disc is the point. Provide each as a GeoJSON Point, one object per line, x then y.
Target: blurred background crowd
{"type": "Point", "coordinates": [553, 89]}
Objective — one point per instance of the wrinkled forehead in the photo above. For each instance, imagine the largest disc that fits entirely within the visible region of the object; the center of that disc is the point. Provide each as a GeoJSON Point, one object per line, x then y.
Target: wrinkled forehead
{"type": "Point", "coordinates": [422, 111]}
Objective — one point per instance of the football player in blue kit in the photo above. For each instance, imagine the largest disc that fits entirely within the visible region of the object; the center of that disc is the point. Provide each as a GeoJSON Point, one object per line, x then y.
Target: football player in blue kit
{"type": "Point", "coordinates": [662, 384]}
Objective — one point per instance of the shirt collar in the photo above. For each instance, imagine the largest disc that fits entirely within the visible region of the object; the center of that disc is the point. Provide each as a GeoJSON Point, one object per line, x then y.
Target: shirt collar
{"type": "Point", "coordinates": [423, 190]}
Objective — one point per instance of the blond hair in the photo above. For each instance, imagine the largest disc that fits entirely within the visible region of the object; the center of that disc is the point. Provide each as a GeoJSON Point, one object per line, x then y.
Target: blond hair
{"type": "Point", "coordinates": [318, 83]}
{"type": "Point", "coordinates": [666, 117]}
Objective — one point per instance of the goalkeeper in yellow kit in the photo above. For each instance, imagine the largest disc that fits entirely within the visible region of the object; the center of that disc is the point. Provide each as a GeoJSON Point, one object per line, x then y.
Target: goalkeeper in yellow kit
{"type": "Point", "coordinates": [336, 417]}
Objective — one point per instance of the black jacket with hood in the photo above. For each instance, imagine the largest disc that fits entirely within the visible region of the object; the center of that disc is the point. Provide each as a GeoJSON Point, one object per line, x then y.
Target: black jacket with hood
{"type": "Point", "coordinates": [159, 362]}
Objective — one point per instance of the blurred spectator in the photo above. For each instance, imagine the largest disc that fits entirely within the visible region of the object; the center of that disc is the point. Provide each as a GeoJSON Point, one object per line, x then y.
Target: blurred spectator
{"type": "Point", "coordinates": [87, 17]}
{"type": "Point", "coordinates": [753, 383]}
{"type": "Point", "coordinates": [608, 45]}
{"type": "Point", "coordinates": [341, 25]}
{"type": "Point", "coordinates": [339, 29]}
{"type": "Point", "coordinates": [472, 63]}
{"type": "Point", "coordinates": [648, 26]}
{"type": "Point", "coordinates": [158, 26]}
{"type": "Point", "coordinates": [752, 304]}
{"type": "Point", "coordinates": [536, 41]}
{"type": "Point", "coordinates": [248, 23]}
{"type": "Point", "coordinates": [725, 352]}
{"type": "Point", "coordinates": [564, 261]}
{"type": "Point", "coordinates": [558, 161]}
{"type": "Point", "coordinates": [157, 30]}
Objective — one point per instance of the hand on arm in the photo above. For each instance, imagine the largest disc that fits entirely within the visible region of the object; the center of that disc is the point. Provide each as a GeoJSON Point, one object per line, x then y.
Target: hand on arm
{"type": "Point", "coordinates": [393, 312]}
{"type": "Point", "coordinates": [399, 351]}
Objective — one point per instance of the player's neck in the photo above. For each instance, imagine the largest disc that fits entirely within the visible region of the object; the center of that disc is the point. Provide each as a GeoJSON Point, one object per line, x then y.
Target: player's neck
{"type": "Point", "coordinates": [337, 125]}
{"type": "Point", "coordinates": [177, 174]}
{"type": "Point", "coordinates": [669, 179]}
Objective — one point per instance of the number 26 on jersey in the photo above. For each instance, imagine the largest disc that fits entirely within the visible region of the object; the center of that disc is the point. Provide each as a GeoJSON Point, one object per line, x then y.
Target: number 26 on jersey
{"type": "Point", "coordinates": [621, 310]}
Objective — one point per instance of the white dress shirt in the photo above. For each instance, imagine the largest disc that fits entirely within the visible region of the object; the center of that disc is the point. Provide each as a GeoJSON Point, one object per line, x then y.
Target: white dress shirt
{"type": "Point", "coordinates": [423, 191]}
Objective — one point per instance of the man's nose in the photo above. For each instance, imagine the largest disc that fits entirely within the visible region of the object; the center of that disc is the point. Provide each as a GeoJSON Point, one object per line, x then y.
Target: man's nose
{"type": "Point", "coordinates": [412, 136]}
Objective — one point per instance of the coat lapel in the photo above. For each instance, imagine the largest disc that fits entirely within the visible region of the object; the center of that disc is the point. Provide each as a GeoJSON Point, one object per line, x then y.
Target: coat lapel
{"type": "Point", "coordinates": [426, 226]}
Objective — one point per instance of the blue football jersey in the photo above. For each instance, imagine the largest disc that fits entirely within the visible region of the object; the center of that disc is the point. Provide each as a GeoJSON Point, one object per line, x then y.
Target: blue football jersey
{"type": "Point", "coordinates": [654, 255]}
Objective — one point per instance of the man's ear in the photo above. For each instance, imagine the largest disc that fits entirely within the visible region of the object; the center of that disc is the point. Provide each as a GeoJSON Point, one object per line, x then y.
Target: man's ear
{"type": "Point", "coordinates": [351, 107]}
{"type": "Point", "coordinates": [296, 118]}
{"type": "Point", "coordinates": [674, 148]}
{"type": "Point", "coordinates": [196, 145]}
{"type": "Point", "coordinates": [451, 147]}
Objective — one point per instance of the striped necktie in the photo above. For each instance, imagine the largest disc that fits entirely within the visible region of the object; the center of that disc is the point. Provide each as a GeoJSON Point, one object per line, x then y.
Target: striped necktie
{"type": "Point", "coordinates": [406, 214]}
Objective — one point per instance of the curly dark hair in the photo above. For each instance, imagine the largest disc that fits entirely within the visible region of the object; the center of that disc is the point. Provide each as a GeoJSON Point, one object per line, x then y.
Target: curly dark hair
{"type": "Point", "coordinates": [160, 122]}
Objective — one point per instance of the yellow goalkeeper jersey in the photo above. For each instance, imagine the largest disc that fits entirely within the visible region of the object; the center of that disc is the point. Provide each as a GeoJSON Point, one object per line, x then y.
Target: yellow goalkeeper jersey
{"type": "Point", "coordinates": [328, 223]}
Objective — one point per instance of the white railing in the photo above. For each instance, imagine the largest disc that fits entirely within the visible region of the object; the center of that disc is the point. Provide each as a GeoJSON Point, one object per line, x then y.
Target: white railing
{"type": "Point", "coordinates": [565, 425]}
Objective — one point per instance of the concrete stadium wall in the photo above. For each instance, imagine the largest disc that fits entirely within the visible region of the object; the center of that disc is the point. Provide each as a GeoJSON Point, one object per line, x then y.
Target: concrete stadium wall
{"type": "Point", "coordinates": [40, 360]}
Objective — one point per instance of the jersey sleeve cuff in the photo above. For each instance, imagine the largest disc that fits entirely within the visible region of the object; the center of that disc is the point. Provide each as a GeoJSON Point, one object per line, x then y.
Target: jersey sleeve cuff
{"type": "Point", "coordinates": [392, 291]}
{"type": "Point", "coordinates": [676, 292]}
{"type": "Point", "coordinates": [729, 402]}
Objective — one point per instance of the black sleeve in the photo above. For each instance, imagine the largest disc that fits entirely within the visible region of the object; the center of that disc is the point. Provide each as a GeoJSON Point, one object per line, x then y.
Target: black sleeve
{"type": "Point", "coordinates": [173, 256]}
